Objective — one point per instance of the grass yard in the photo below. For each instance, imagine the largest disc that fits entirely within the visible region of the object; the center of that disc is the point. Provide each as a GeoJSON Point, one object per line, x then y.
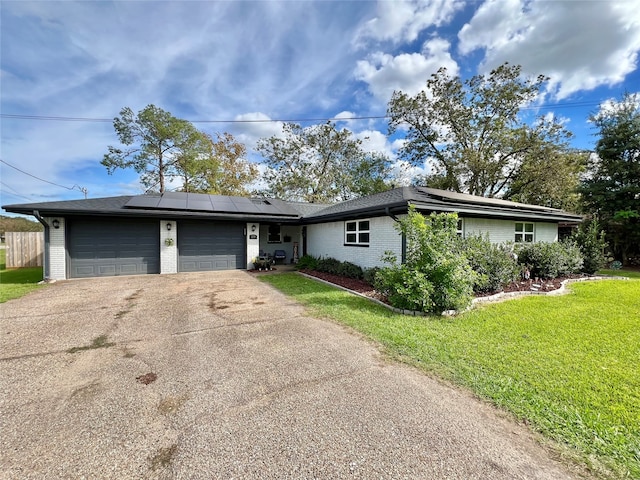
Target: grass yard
{"type": "Point", "coordinates": [621, 273]}
{"type": "Point", "coordinates": [568, 366]}
{"type": "Point", "coordinates": [15, 283]}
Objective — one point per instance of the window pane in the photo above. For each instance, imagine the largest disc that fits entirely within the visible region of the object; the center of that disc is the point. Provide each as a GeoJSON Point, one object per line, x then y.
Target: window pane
{"type": "Point", "coordinates": [351, 238]}
{"type": "Point", "coordinates": [364, 238]}
{"type": "Point", "coordinates": [459, 227]}
{"type": "Point", "coordinates": [519, 227]}
{"type": "Point", "coordinates": [518, 237]}
{"type": "Point", "coordinates": [528, 237]}
{"type": "Point", "coordinates": [364, 225]}
{"type": "Point", "coordinates": [351, 226]}
{"type": "Point", "coordinates": [274, 233]}
{"type": "Point", "coordinates": [528, 227]}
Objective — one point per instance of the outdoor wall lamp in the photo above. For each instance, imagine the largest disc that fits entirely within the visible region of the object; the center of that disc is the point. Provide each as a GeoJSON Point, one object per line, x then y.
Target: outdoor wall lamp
{"type": "Point", "coordinates": [169, 226]}
{"type": "Point", "coordinates": [253, 228]}
{"type": "Point", "coordinates": [56, 223]}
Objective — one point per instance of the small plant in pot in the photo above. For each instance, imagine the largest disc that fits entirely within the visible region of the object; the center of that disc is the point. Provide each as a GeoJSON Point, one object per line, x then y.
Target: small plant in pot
{"type": "Point", "coordinates": [261, 264]}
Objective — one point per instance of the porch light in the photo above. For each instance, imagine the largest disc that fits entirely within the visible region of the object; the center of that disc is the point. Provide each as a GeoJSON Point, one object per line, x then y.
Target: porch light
{"type": "Point", "coordinates": [56, 223]}
{"type": "Point", "coordinates": [169, 226]}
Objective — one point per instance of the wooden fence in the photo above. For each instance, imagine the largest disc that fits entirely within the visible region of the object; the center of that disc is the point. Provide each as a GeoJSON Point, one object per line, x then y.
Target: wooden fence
{"type": "Point", "coordinates": [24, 249]}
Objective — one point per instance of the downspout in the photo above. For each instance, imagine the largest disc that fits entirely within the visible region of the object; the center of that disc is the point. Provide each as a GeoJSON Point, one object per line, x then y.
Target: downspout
{"type": "Point", "coordinates": [45, 254]}
{"type": "Point", "coordinates": [387, 210]}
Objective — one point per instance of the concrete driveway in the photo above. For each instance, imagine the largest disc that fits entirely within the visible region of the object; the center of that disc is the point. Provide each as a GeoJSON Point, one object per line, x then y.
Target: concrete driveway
{"type": "Point", "coordinates": [246, 386]}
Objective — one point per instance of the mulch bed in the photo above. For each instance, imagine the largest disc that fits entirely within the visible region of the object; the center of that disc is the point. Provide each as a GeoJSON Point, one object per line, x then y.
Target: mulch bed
{"type": "Point", "coordinates": [364, 288]}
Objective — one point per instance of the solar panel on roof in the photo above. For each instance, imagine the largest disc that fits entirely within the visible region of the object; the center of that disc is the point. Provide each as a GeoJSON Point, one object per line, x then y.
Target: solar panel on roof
{"type": "Point", "coordinates": [173, 203]}
{"type": "Point", "coordinates": [199, 202]}
{"type": "Point", "coordinates": [143, 201]}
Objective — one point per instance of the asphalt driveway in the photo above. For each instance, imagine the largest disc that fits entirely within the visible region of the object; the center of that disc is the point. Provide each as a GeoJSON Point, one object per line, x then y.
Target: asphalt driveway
{"type": "Point", "coordinates": [216, 375]}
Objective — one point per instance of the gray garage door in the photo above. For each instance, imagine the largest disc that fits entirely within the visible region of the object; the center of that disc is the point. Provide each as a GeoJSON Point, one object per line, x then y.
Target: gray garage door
{"type": "Point", "coordinates": [108, 247]}
{"type": "Point", "coordinates": [205, 246]}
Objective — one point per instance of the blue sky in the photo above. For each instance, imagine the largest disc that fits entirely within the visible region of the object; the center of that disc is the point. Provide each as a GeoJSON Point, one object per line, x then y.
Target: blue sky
{"type": "Point", "coordinates": [227, 62]}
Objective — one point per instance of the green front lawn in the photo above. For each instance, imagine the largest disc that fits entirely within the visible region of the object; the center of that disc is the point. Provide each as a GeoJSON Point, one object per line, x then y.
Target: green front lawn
{"type": "Point", "coordinates": [15, 283]}
{"type": "Point", "coordinates": [566, 365]}
{"type": "Point", "coordinates": [620, 273]}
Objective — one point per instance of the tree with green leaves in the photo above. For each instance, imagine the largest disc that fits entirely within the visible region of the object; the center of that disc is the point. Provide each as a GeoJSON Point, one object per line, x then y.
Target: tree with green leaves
{"type": "Point", "coordinates": [224, 170]}
{"type": "Point", "coordinates": [549, 177]}
{"type": "Point", "coordinates": [155, 142]}
{"type": "Point", "coordinates": [471, 134]}
{"type": "Point", "coordinates": [321, 164]}
{"type": "Point", "coordinates": [611, 189]}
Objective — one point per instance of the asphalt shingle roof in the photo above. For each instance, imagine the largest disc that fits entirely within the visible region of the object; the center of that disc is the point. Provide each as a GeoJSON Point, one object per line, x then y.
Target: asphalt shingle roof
{"type": "Point", "coordinates": [392, 201]}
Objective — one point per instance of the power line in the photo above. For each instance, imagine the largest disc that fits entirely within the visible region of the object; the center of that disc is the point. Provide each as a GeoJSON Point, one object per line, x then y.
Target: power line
{"type": "Point", "coordinates": [82, 189]}
{"type": "Point", "coordinates": [258, 120]}
{"type": "Point", "coordinates": [14, 194]}
{"type": "Point", "coordinates": [55, 118]}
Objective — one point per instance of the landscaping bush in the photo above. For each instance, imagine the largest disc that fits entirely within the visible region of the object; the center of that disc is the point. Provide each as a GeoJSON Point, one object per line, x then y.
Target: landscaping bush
{"type": "Point", "coordinates": [307, 262]}
{"type": "Point", "coordinates": [435, 276]}
{"type": "Point", "coordinates": [369, 275]}
{"type": "Point", "coordinates": [406, 288]}
{"type": "Point", "coordinates": [350, 270]}
{"type": "Point", "coordinates": [328, 265]}
{"type": "Point", "coordinates": [550, 260]}
{"type": "Point", "coordinates": [495, 265]}
{"type": "Point", "coordinates": [590, 240]}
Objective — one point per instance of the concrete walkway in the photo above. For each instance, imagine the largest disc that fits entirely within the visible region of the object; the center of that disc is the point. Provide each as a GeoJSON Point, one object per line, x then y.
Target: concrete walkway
{"type": "Point", "coordinates": [216, 375]}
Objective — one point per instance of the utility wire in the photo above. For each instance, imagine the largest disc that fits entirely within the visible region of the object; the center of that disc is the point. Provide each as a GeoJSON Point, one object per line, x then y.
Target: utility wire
{"type": "Point", "coordinates": [14, 194]}
{"type": "Point", "coordinates": [273, 120]}
{"type": "Point", "coordinates": [263, 120]}
{"type": "Point", "coordinates": [82, 189]}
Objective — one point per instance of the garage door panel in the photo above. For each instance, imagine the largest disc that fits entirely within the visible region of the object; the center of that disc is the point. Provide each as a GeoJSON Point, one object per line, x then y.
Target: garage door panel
{"type": "Point", "coordinates": [111, 247]}
{"type": "Point", "coordinates": [206, 246]}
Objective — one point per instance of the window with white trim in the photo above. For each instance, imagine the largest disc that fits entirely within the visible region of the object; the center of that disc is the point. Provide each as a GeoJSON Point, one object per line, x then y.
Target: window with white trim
{"type": "Point", "coordinates": [460, 228]}
{"type": "Point", "coordinates": [524, 232]}
{"type": "Point", "coordinates": [357, 232]}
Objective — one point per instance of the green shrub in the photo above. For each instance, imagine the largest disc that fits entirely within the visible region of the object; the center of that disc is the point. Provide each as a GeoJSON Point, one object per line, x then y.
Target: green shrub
{"type": "Point", "coordinates": [350, 270]}
{"type": "Point", "coordinates": [550, 260]}
{"type": "Point", "coordinates": [307, 262]}
{"type": "Point", "coordinates": [495, 265]}
{"type": "Point", "coordinates": [590, 240]}
{"type": "Point", "coordinates": [369, 275]}
{"type": "Point", "coordinates": [435, 276]}
{"type": "Point", "coordinates": [406, 288]}
{"type": "Point", "coordinates": [328, 265]}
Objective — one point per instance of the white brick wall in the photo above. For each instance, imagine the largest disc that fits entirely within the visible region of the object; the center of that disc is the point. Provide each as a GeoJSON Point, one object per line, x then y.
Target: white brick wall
{"type": "Point", "coordinates": [57, 250]}
{"type": "Point", "coordinates": [168, 253]}
{"type": "Point", "coordinates": [327, 240]}
{"type": "Point", "coordinates": [501, 231]}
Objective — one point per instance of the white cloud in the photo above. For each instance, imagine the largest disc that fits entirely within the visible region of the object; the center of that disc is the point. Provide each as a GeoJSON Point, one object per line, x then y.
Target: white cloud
{"type": "Point", "coordinates": [375, 141]}
{"type": "Point", "coordinates": [408, 72]}
{"type": "Point", "coordinates": [402, 21]}
{"type": "Point", "coordinates": [256, 125]}
{"type": "Point", "coordinates": [580, 45]}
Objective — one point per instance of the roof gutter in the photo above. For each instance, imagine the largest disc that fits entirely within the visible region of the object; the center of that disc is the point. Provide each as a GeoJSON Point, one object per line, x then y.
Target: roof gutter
{"type": "Point", "coordinates": [387, 210]}
{"type": "Point", "coordinates": [45, 255]}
